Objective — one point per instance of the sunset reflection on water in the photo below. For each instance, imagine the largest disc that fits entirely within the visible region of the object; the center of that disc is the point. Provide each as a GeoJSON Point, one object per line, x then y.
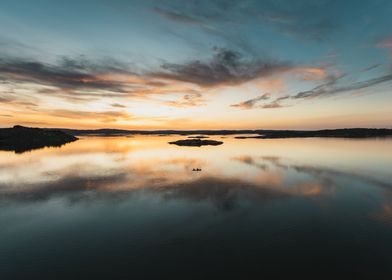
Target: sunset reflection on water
{"type": "Point", "coordinates": [261, 195]}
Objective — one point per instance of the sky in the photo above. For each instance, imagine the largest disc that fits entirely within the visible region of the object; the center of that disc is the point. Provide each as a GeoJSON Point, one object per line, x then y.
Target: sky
{"type": "Point", "coordinates": [216, 64]}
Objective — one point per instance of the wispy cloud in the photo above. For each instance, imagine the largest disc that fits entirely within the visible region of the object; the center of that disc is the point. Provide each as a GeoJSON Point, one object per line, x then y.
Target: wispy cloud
{"type": "Point", "coordinates": [303, 19]}
{"type": "Point", "coordinates": [331, 87]}
{"type": "Point", "coordinates": [258, 102]}
{"type": "Point", "coordinates": [103, 117]}
{"type": "Point", "coordinates": [178, 16]}
{"type": "Point", "coordinates": [251, 103]}
{"type": "Point", "coordinates": [188, 100]}
{"type": "Point", "coordinates": [371, 67]}
{"type": "Point", "coordinates": [117, 105]}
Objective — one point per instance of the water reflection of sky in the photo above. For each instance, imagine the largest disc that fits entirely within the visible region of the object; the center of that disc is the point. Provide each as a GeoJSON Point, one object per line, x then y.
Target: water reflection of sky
{"type": "Point", "coordinates": [292, 167]}
{"type": "Point", "coordinates": [266, 190]}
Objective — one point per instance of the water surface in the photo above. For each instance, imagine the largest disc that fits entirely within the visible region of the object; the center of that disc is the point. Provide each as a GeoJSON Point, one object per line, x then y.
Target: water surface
{"type": "Point", "coordinates": [132, 208]}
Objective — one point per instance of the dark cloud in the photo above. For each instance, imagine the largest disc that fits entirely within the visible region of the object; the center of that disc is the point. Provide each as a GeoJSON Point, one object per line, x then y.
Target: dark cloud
{"type": "Point", "coordinates": [226, 67]}
{"type": "Point", "coordinates": [69, 74]}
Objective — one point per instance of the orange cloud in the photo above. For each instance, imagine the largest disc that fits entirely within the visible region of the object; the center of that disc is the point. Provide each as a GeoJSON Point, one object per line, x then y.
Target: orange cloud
{"type": "Point", "coordinates": [310, 73]}
{"type": "Point", "coordinates": [275, 84]}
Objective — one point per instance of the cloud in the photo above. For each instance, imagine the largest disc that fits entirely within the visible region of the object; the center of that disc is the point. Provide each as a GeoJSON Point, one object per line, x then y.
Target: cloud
{"type": "Point", "coordinates": [331, 87]}
{"type": "Point", "coordinates": [254, 103]}
{"type": "Point", "coordinates": [69, 74]}
{"type": "Point", "coordinates": [178, 17]}
{"type": "Point", "coordinates": [251, 103]}
{"type": "Point", "coordinates": [309, 20]}
{"type": "Point", "coordinates": [84, 80]}
{"type": "Point", "coordinates": [272, 105]}
{"type": "Point", "coordinates": [188, 100]}
{"type": "Point", "coordinates": [327, 87]}
{"type": "Point", "coordinates": [81, 80]}
{"type": "Point", "coordinates": [371, 67]}
{"type": "Point", "coordinates": [311, 73]}
{"type": "Point", "coordinates": [117, 105]}
{"type": "Point", "coordinates": [227, 67]}
{"type": "Point", "coordinates": [105, 116]}
{"type": "Point", "coordinates": [11, 99]}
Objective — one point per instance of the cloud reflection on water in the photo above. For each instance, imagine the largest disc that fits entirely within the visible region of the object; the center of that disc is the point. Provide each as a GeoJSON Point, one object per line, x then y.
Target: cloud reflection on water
{"type": "Point", "coordinates": [113, 167]}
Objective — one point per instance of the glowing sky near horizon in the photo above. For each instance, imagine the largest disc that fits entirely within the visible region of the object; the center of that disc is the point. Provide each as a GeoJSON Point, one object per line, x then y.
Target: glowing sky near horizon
{"type": "Point", "coordinates": [213, 64]}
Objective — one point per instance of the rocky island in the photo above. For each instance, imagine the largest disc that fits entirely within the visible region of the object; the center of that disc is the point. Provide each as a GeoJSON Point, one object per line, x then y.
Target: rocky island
{"type": "Point", "coordinates": [196, 142]}
{"type": "Point", "coordinates": [21, 139]}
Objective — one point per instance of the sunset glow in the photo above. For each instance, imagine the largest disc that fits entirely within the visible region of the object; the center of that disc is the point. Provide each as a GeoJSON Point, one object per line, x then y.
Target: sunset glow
{"type": "Point", "coordinates": [208, 65]}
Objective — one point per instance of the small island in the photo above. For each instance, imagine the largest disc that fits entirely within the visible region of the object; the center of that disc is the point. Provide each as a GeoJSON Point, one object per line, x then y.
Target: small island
{"type": "Point", "coordinates": [21, 139]}
{"type": "Point", "coordinates": [196, 142]}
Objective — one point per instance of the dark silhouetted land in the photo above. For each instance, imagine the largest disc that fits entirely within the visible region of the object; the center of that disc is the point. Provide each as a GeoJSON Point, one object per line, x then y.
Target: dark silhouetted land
{"type": "Point", "coordinates": [196, 142]}
{"type": "Point", "coordinates": [337, 133]}
{"type": "Point", "coordinates": [264, 134]}
{"type": "Point", "coordinates": [21, 139]}
{"type": "Point", "coordinates": [198, 137]}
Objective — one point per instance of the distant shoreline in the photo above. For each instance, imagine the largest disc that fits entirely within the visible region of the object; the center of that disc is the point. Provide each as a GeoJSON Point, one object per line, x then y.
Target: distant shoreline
{"type": "Point", "coordinates": [21, 139]}
{"type": "Point", "coordinates": [258, 133]}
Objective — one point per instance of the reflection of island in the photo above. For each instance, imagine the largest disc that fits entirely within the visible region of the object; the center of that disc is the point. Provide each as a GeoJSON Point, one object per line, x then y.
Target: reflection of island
{"type": "Point", "coordinates": [196, 142]}
{"type": "Point", "coordinates": [21, 139]}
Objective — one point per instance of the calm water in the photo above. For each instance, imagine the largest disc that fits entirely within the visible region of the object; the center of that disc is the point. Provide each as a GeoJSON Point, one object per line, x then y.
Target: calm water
{"type": "Point", "coordinates": [132, 208]}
